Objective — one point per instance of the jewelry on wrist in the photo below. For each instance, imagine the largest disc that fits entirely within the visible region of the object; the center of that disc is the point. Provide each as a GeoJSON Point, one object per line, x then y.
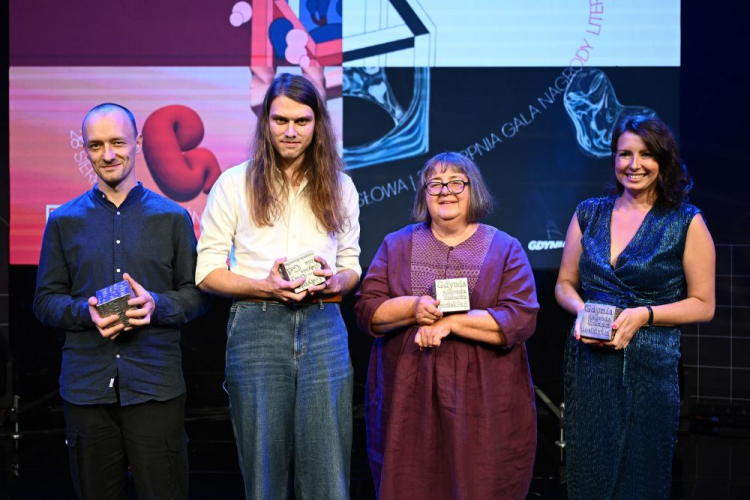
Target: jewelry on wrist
{"type": "Point", "coordinates": [650, 316]}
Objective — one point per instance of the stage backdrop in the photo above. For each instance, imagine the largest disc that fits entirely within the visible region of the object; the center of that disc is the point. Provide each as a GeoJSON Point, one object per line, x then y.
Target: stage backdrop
{"type": "Point", "coordinates": [529, 91]}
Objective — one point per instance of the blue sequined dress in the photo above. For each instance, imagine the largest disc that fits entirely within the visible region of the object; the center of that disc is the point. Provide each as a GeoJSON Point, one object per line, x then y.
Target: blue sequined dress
{"type": "Point", "coordinates": [622, 407]}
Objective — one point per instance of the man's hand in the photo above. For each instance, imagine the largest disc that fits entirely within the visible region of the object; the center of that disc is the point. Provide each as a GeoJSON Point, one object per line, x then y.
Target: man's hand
{"type": "Point", "coordinates": [280, 289]}
{"type": "Point", "coordinates": [331, 286]}
{"type": "Point", "coordinates": [143, 302]}
{"type": "Point", "coordinates": [106, 326]}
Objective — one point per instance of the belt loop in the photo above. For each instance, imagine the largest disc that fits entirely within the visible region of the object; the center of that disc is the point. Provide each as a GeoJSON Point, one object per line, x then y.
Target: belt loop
{"type": "Point", "coordinates": [264, 307]}
{"type": "Point", "coordinates": [320, 304]}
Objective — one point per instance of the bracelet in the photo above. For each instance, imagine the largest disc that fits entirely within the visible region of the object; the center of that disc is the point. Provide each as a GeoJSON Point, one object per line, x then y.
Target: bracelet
{"type": "Point", "coordinates": [650, 316]}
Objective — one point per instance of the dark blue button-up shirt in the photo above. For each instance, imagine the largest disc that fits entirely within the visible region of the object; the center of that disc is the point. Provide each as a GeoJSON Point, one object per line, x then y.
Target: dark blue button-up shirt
{"type": "Point", "coordinates": [88, 244]}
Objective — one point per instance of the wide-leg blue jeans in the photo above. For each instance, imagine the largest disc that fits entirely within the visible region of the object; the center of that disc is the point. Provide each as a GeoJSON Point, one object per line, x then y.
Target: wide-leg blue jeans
{"type": "Point", "coordinates": [289, 378]}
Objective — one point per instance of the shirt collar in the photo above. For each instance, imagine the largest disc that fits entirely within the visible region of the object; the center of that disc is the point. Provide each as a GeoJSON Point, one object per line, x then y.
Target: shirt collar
{"type": "Point", "coordinates": [137, 192]}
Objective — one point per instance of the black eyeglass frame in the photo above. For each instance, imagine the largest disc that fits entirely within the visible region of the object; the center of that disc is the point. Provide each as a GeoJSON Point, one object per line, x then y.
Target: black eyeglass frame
{"type": "Point", "coordinates": [444, 185]}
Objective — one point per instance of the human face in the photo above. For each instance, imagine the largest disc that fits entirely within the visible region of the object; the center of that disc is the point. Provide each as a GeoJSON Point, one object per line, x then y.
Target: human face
{"type": "Point", "coordinates": [111, 146]}
{"type": "Point", "coordinates": [448, 207]}
{"type": "Point", "coordinates": [292, 126]}
{"type": "Point", "coordinates": [635, 167]}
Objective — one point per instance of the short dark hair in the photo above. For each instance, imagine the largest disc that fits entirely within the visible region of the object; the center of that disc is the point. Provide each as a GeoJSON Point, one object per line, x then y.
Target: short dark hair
{"type": "Point", "coordinates": [108, 107]}
{"type": "Point", "coordinates": [480, 199]}
{"type": "Point", "coordinates": [674, 182]}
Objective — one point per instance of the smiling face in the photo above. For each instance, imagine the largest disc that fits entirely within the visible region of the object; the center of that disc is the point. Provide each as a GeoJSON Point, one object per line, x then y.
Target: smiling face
{"type": "Point", "coordinates": [448, 207]}
{"type": "Point", "coordinates": [111, 146]}
{"type": "Point", "coordinates": [292, 127]}
{"type": "Point", "coordinates": [635, 167]}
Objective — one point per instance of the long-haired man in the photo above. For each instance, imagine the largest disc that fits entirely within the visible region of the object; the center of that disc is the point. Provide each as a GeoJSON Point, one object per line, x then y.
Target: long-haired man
{"type": "Point", "coordinates": [288, 370]}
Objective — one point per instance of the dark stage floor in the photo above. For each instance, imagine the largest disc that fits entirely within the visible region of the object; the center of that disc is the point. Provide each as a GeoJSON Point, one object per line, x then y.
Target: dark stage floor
{"type": "Point", "coordinates": [712, 459]}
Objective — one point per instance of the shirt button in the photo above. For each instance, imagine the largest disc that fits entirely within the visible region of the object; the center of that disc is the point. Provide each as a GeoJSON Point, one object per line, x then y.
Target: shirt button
{"type": "Point", "coordinates": [118, 212]}
{"type": "Point", "coordinates": [118, 242]}
{"type": "Point", "coordinates": [118, 270]}
{"type": "Point", "coordinates": [117, 356]}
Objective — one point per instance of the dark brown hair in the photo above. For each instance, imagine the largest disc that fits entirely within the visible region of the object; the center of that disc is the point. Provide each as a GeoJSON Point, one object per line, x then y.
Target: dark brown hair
{"type": "Point", "coordinates": [674, 181]}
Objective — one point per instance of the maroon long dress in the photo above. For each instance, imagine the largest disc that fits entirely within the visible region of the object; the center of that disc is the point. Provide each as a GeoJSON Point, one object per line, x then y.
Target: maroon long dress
{"type": "Point", "coordinates": [457, 421]}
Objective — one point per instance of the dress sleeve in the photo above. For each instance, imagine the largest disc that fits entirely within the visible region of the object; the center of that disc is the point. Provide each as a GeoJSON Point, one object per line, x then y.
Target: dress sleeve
{"type": "Point", "coordinates": [517, 306]}
{"type": "Point", "coordinates": [185, 301]}
{"type": "Point", "coordinates": [374, 290]}
{"type": "Point", "coordinates": [582, 214]}
{"type": "Point", "coordinates": [53, 304]}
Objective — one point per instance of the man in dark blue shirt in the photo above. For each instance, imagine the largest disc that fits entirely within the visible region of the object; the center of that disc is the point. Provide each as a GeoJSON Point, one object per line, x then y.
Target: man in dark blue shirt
{"type": "Point", "coordinates": [123, 391]}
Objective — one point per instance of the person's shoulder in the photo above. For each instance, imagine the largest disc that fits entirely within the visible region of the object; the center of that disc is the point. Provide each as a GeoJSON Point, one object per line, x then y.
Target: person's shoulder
{"type": "Point", "coordinates": [689, 209]}
{"type": "Point", "coordinates": [161, 204]}
{"type": "Point", "coordinates": [405, 232]}
{"type": "Point", "coordinates": [499, 236]}
{"type": "Point", "coordinates": [346, 182]}
{"type": "Point", "coordinates": [596, 203]}
{"type": "Point", "coordinates": [77, 207]}
{"type": "Point", "coordinates": [234, 175]}
{"type": "Point", "coordinates": [686, 212]}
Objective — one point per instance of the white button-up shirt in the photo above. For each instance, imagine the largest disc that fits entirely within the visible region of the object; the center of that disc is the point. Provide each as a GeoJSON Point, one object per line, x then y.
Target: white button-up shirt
{"type": "Point", "coordinates": [228, 230]}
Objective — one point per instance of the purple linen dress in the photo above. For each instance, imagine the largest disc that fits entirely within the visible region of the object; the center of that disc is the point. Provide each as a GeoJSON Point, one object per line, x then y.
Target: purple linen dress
{"type": "Point", "coordinates": [457, 421]}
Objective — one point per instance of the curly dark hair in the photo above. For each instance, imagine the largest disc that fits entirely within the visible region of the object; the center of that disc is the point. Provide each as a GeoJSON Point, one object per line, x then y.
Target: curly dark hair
{"type": "Point", "coordinates": [674, 181]}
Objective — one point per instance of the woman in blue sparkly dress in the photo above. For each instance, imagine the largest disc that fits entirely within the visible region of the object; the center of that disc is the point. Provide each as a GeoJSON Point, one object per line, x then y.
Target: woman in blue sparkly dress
{"type": "Point", "coordinates": [646, 250]}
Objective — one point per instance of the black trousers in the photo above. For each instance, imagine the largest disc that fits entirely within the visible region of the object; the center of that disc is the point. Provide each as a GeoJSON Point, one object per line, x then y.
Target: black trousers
{"type": "Point", "coordinates": [150, 437]}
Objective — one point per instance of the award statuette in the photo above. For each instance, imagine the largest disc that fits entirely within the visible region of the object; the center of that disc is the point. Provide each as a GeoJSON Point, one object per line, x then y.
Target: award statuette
{"type": "Point", "coordinates": [302, 266]}
{"type": "Point", "coordinates": [113, 300]}
{"type": "Point", "coordinates": [453, 295]}
{"type": "Point", "coordinates": [597, 321]}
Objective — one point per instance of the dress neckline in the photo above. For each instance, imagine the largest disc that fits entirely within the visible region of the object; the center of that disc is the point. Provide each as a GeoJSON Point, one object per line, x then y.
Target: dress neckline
{"type": "Point", "coordinates": [467, 240]}
{"type": "Point", "coordinates": [635, 237]}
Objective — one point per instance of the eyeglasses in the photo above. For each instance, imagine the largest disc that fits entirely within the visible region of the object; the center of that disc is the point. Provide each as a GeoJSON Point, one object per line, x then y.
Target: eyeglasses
{"type": "Point", "coordinates": [454, 187]}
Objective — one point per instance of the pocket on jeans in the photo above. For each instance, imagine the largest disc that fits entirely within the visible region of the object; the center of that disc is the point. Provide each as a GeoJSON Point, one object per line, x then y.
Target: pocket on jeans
{"type": "Point", "coordinates": [71, 441]}
{"type": "Point", "coordinates": [234, 312]}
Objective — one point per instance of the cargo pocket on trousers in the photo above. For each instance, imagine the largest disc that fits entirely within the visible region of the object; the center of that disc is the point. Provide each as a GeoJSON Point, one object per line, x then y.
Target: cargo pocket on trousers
{"type": "Point", "coordinates": [178, 464]}
{"type": "Point", "coordinates": [71, 441]}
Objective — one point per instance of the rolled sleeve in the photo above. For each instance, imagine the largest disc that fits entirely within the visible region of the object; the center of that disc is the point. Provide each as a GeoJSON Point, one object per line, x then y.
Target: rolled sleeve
{"type": "Point", "coordinates": [218, 227]}
{"type": "Point", "coordinates": [348, 250]}
{"type": "Point", "coordinates": [517, 306]}
{"type": "Point", "coordinates": [374, 291]}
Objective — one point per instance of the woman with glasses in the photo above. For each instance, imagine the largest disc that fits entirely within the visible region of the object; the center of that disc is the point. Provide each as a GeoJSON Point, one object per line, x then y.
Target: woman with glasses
{"type": "Point", "coordinates": [643, 249]}
{"type": "Point", "coordinates": [450, 405]}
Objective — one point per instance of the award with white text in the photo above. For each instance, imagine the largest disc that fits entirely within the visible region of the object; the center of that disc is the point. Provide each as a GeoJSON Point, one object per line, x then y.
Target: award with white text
{"type": "Point", "coordinates": [453, 295]}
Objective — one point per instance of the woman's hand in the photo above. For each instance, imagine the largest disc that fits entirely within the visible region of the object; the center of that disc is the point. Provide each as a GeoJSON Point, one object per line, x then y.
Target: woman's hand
{"type": "Point", "coordinates": [426, 311]}
{"type": "Point", "coordinates": [431, 336]}
{"type": "Point", "coordinates": [625, 326]}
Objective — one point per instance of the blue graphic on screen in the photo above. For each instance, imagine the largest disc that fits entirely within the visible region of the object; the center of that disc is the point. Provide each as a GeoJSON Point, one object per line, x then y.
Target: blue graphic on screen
{"type": "Point", "coordinates": [410, 134]}
{"type": "Point", "coordinates": [321, 19]}
{"type": "Point", "coordinates": [593, 107]}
